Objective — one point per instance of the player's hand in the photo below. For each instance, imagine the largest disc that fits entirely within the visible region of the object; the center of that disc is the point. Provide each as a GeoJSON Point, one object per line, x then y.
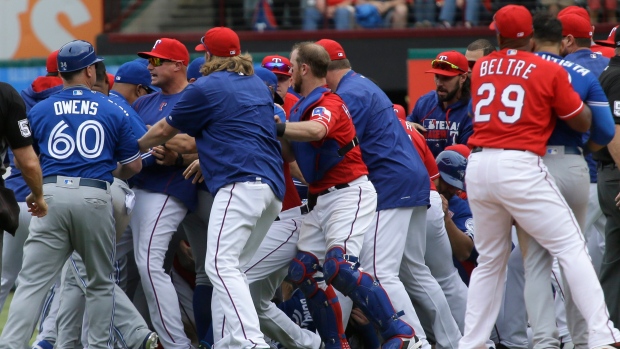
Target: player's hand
{"type": "Point", "coordinates": [444, 205]}
{"type": "Point", "coordinates": [417, 127]}
{"type": "Point", "coordinates": [36, 206]}
{"type": "Point", "coordinates": [164, 155]}
{"type": "Point", "coordinates": [194, 168]}
{"type": "Point", "coordinates": [277, 119]}
{"type": "Point", "coordinates": [358, 316]}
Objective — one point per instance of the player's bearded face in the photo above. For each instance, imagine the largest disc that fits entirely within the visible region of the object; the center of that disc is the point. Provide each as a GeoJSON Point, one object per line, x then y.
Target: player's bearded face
{"type": "Point", "coordinates": [448, 89]}
{"type": "Point", "coordinates": [297, 83]}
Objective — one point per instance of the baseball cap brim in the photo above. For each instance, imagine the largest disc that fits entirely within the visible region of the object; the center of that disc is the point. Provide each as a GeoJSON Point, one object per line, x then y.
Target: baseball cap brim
{"type": "Point", "coordinates": [607, 42]}
{"type": "Point", "coordinates": [444, 72]}
{"type": "Point", "coordinates": [200, 48]}
{"type": "Point", "coordinates": [152, 54]}
{"type": "Point", "coordinates": [492, 26]}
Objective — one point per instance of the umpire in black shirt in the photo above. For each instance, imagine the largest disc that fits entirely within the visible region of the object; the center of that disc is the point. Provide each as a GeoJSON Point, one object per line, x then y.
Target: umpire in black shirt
{"type": "Point", "coordinates": [609, 187]}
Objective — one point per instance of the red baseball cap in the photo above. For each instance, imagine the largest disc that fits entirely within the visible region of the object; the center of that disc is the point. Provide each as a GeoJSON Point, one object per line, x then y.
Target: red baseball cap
{"type": "Point", "coordinates": [400, 111]}
{"type": "Point", "coordinates": [277, 64]}
{"type": "Point", "coordinates": [166, 48]}
{"type": "Point", "coordinates": [449, 63]}
{"type": "Point", "coordinates": [220, 42]}
{"type": "Point", "coordinates": [575, 10]}
{"type": "Point", "coordinates": [336, 52]}
{"type": "Point", "coordinates": [611, 39]}
{"type": "Point", "coordinates": [110, 80]}
{"type": "Point", "coordinates": [575, 25]}
{"type": "Point", "coordinates": [513, 22]}
{"type": "Point", "coordinates": [460, 148]}
{"type": "Point", "coordinates": [51, 65]}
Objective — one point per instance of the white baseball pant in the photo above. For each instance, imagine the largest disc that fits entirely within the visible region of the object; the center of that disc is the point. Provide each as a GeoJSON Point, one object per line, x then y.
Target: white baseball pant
{"type": "Point", "coordinates": [155, 219]}
{"type": "Point", "coordinates": [507, 184]}
{"type": "Point", "coordinates": [240, 218]}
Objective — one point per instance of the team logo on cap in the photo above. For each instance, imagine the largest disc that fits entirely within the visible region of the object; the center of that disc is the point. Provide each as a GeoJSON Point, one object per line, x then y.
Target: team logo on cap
{"type": "Point", "coordinates": [63, 65]}
{"type": "Point", "coordinates": [156, 43]}
{"type": "Point", "coordinates": [443, 58]}
{"type": "Point", "coordinates": [276, 60]}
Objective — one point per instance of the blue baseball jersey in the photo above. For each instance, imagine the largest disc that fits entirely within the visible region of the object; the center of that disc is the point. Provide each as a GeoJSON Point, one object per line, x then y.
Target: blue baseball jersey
{"type": "Point", "coordinates": [394, 166]}
{"type": "Point", "coordinates": [40, 89]}
{"type": "Point", "coordinates": [596, 63]}
{"type": "Point", "coordinates": [589, 89]}
{"type": "Point", "coordinates": [231, 117]}
{"type": "Point", "coordinates": [444, 127]}
{"type": "Point", "coordinates": [463, 219]}
{"type": "Point", "coordinates": [79, 133]}
{"type": "Point", "coordinates": [137, 125]}
{"type": "Point", "coordinates": [158, 178]}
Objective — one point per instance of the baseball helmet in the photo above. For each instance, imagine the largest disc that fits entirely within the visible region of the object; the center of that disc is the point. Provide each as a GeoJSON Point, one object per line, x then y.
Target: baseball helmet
{"type": "Point", "coordinates": [76, 55]}
{"type": "Point", "coordinates": [451, 167]}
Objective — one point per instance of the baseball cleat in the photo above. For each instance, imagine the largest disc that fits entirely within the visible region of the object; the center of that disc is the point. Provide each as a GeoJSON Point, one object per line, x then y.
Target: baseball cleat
{"type": "Point", "coordinates": [402, 343]}
{"type": "Point", "coordinates": [150, 342]}
{"type": "Point", "coordinates": [43, 345]}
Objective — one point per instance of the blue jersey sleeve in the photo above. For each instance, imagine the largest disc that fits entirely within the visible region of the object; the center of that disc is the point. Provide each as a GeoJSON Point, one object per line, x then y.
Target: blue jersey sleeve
{"type": "Point", "coordinates": [415, 113]}
{"type": "Point", "coordinates": [602, 130]}
{"type": "Point", "coordinates": [127, 149]}
{"type": "Point", "coordinates": [190, 113]}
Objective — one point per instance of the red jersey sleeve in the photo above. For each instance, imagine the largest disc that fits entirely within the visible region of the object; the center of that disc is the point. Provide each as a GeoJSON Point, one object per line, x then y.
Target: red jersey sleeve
{"type": "Point", "coordinates": [567, 103]}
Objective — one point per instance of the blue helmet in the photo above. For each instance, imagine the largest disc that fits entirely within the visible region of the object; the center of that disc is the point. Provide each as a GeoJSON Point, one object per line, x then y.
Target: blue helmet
{"type": "Point", "coordinates": [451, 167]}
{"type": "Point", "coordinates": [193, 69]}
{"type": "Point", "coordinates": [76, 55]}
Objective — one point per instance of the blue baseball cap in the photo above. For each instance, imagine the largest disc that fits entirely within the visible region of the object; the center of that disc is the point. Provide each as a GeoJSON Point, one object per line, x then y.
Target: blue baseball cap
{"type": "Point", "coordinates": [193, 69]}
{"type": "Point", "coordinates": [267, 76]}
{"type": "Point", "coordinates": [134, 73]}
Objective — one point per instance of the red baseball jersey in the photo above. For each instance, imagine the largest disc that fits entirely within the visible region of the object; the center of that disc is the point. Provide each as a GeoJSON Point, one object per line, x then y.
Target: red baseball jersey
{"type": "Point", "coordinates": [608, 52]}
{"type": "Point", "coordinates": [289, 101]}
{"type": "Point", "coordinates": [334, 115]}
{"type": "Point", "coordinates": [291, 196]}
{"type": "Point", "coordinates": [516, 96]}
{"type": "Point", "coordinates": [425, 153]}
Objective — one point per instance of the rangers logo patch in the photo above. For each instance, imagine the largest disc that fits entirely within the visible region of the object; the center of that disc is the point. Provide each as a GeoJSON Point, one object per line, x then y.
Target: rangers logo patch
{"type": "Point", "coordinates": [321, 113]}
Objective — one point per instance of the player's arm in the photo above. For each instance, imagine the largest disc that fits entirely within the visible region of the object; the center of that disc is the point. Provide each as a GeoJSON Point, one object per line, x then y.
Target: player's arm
{"type": "Point", "coordinates": [27, 161]}
{"type": "Point", "coordinates": [303, 131]}
{"type": "Point", "coordinates": [158, 134]}
{"type": "Point", "coordinates": [461, 243]}
{"type": "Point", "coordinates": [614, 146]}
{"type": "Point", "coordinates": [182, 143]}
{"type": "Point", "coordinates": [602, 129]}
{"type": "Point", "coordinates": [568, 104]}
{"type": "Point", "coordinates": [128, 170]}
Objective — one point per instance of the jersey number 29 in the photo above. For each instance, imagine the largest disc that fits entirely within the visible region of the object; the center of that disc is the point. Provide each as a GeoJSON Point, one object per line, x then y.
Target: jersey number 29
{"type": "Point", "coordinates": [512, 98]}
{"type": "Point", "coordinates": [69, 143]}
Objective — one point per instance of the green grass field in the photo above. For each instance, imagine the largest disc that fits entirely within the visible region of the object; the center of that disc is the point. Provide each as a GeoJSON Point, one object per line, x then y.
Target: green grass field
{"type": "Point", "coordinates": [5, 314]}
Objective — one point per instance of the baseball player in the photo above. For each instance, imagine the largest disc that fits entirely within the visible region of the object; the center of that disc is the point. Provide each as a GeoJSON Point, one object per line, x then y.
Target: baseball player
{"type": "Point", "coordinates": [163, 196]}
{"type": "Point", "coordinates": [438, 246]}
{"type": "Point", "coordinates": [281, 66]}
{"type": "Point", "coordinates": [442, 114]}
{"type": "Point", "coordinates": [401, 209]}
{"type": "Point", "coordinates": [243, 171]}
{"type": "Point", "coordinates": [564, 151]}
{"type": "Point", "coordinates": [12, 249]}
{"type": "Point", "coordinates": [193, 69]}
{"type": "Point", "coordinates": [515, 95]}
{"type": "Point", "coordinates": [269, 265]}
{"type": "Point", "coordinates": [79, 151]}
{"type": "Point", "coordinates": [326, 148]}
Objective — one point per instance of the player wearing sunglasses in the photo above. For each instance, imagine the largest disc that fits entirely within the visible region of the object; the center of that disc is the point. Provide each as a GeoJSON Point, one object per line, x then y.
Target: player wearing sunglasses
{"type": "Point", "coordinates": [442, 114]}
{"type": "Point", "coordinates": [281, 66]}
{"type": "Point", "coordinates": [163, 196]}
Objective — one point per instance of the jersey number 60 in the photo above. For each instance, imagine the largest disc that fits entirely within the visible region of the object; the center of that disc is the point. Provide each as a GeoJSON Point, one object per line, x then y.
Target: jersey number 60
{"type": "Point", "coordinates": [58, 137]}
{"type": "Point", "coordinates": [512, 98]}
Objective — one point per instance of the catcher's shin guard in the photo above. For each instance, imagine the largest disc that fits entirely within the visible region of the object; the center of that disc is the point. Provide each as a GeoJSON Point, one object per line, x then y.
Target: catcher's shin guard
{"type": "Point", "coordinates": [323, 304]}
{"type": "Point", "coordinates": [342, 272]}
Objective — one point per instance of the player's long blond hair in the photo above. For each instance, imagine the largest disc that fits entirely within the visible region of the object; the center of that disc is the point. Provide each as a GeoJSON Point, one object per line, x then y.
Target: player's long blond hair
{"type": "Point", "coordinates": [237, 64]}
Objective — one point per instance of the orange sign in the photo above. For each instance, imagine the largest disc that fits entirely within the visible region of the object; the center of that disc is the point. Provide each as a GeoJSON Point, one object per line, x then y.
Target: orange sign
{"type": "Point", "coordinates": [34, 28]}
{"type": "Point", "coordinates": [419, 82]}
